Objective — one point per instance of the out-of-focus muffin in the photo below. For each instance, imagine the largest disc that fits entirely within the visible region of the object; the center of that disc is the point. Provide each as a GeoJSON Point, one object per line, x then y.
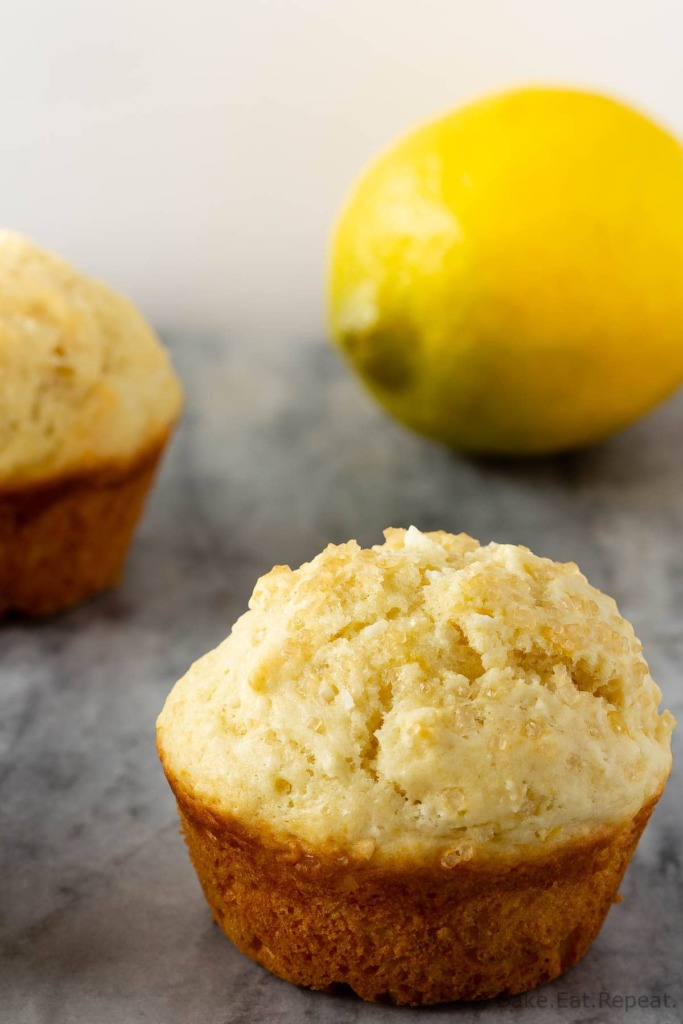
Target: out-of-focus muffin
{"type": "Point", "coordinates": [87, 402]}
{"type": "Point", "coordinates": [420, 769]}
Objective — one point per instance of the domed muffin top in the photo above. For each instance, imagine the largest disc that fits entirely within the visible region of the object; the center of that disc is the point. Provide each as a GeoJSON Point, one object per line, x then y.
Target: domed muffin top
{"type": "Point", "coordinates": [83, 380]}
{"type": "Point", "coordinates": [425, 695]}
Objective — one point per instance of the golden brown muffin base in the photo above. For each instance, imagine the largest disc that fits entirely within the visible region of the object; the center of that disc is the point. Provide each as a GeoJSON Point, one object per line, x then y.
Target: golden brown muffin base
{"type": "Point", "coordinates": [402, 932]}
{"type": "Point", "coordinates": [64, 539]}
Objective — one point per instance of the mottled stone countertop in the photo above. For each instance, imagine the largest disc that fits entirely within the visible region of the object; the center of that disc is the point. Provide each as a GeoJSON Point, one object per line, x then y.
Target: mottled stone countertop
{"type": "Point", "coordinates": [280, 452]}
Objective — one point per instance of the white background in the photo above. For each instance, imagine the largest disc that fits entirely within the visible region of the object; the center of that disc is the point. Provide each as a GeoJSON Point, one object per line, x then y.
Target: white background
{"type": "Point", "coordinates": [194, 154]}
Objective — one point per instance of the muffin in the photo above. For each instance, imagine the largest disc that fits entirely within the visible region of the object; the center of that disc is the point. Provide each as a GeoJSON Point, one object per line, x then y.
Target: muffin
{"type": "Point", "coordinates": [419, 770]}
{"type": "Point", "coordinates": [87, 402]}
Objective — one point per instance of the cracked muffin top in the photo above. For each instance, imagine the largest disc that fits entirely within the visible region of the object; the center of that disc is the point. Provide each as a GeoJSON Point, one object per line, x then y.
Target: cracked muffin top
{"type": "Point", "coordinates": [83, 379]}
{"type": "Point", "coordinates": [427, 695]}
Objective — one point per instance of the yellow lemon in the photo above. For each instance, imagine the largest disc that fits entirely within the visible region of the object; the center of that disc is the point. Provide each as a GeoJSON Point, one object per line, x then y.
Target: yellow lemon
{"type": "Point", "coordinates": [509, 278]}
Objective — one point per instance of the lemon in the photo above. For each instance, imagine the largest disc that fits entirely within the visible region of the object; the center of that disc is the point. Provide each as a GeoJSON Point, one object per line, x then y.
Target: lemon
{"type": "Point", "coordinates": [509, 278]}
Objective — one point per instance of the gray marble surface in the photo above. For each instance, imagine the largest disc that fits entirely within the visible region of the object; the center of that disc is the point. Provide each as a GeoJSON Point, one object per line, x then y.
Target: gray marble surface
{"type": "Point", "coordinates": [279, 452]}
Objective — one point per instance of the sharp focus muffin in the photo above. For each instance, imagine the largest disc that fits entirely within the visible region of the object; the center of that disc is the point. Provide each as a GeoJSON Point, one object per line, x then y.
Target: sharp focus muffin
{"type": "Point", "coordinates": [87, 402]}
{"type": "Point", "coordinates": [419, 769]}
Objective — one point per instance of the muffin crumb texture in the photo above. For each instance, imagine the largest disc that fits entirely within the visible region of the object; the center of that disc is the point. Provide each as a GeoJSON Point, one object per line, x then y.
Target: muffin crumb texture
{"type": "Point", "coordinates": [83, 379]}
{"type": "Point", "coordinates": [427, 697]}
